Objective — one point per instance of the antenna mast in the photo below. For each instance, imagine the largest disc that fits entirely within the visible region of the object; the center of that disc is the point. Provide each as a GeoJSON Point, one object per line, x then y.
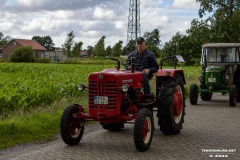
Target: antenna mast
{"type": "Point", "coordinates": [134, 30]}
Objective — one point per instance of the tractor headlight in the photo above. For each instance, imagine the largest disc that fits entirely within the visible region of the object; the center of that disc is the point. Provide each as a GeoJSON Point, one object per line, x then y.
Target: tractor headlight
{"type": "Point", "coordinates": [125, 88]}
{"type": "Point", "coordinates": [81, 87]}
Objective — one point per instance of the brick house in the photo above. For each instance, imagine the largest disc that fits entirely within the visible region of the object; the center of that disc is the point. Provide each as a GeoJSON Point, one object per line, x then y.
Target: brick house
{"type": "Point", "coordinates": [16, 43]}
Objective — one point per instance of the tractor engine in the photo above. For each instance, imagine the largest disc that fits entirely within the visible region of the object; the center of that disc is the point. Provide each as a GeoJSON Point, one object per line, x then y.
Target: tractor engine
{"type": "Point", "coordinates": [113, 92]}
{"type": "Point", "coordinates": [214, 77]}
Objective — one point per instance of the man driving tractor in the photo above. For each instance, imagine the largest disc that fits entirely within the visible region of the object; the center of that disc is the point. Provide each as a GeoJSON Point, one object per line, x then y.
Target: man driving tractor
{"type": "Point", "coordinates": [148, 60]}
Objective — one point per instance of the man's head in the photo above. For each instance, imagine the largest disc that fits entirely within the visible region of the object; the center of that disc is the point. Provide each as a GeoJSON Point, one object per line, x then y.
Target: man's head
{"type": "Point", "coordinates": [140, 44]}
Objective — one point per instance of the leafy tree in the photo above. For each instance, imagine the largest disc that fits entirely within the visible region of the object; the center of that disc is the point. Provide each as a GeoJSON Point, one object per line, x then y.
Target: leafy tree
{"type": "Point", "coordinates": [22, 54]}
{"type": "Point", "coordinates": [222, 26]}
{"type": "Point", "coordinates": [76, 49]}
{"type": "Point", "coordinates": [117, 49]}
{"type": "Point", "coordinates": [4, 39]}
{"type": "Point", "coordinates": [153, 41]}
{"type": "Point", "coordinates": [45, 41]}
{"type": "Point", "coordinates": [68, 44]}
{"type": "Point", "coordinates": [108, 51]}
{"type": "Point", "coordinates": [225, 20]}
{"type": "Point", "coordinates": [90, 50]}
{"type": "Point", "coordinates": [129, 48]}
{"type": "Point", "coordinates": [99, 49]}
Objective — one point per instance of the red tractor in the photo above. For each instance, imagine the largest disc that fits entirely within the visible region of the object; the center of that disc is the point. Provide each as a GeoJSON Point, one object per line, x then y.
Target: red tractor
{"type": "Point", "coordinates": [116, 97]}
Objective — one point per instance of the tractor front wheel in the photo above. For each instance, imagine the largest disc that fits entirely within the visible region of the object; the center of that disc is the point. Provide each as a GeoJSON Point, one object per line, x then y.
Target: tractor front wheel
{"type": "Point", "coordinates": [193, 94]}
{"type": "Point", "coordinates": [71, 127]}
{"type": "Point", "coordinates": [143, 129]}
{"type": "Point", "coordinates": [233, 96]}
{"type": "Point", "coordinates": [171, 105]}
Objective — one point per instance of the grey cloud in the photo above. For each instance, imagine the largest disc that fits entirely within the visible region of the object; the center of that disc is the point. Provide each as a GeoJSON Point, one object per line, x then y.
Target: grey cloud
{"type": "Point", "coordinates": [52, 5]}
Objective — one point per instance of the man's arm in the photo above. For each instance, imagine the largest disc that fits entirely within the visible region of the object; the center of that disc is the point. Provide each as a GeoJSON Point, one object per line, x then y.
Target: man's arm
{"type": "Point", "coordinates": [154, 66]}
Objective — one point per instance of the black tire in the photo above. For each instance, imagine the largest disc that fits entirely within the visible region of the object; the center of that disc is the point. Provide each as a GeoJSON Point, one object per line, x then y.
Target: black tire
{"type": "Point", "coordinates": [143, 129]}
{"type": "Point", "coordinates": [171, 110]}
{"type": "Point", "coordinates": [71, 128]}
{"type": "Point", "coordinates": [193, 94]}
{"type": "Point", "coordinates": [233, 96]}
{"type": "Point", "coordinates": [113, 127]}
{"type": "Point", "coordinates": [206, 96]}
{"type": "Point", "coordinates": [238, 86]}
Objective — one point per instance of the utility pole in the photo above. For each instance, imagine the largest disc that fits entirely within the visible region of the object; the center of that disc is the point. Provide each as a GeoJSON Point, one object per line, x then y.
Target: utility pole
{"type": "Point", "coordinates": [134, 30]}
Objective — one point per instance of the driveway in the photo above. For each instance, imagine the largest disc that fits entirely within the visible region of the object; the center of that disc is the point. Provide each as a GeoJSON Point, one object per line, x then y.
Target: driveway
{"type": "Point", "coordinates": [211, 131]}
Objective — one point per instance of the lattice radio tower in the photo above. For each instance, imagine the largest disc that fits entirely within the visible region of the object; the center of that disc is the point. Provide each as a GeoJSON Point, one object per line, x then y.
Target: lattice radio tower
{"type": "Point", "coordinates": [133, 21]}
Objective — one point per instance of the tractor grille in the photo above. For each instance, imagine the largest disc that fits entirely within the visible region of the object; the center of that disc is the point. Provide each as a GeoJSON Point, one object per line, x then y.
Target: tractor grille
{"type": "Point", "coordinates": [108, 89]}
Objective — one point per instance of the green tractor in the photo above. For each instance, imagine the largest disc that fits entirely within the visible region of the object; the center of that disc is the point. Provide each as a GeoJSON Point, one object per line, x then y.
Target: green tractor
{"type": "Point", "coordinates": [220, 72]}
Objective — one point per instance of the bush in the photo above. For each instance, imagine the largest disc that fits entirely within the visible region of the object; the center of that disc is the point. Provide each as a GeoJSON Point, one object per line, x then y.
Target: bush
{"type": "Point", "coordinates": [22, 54]}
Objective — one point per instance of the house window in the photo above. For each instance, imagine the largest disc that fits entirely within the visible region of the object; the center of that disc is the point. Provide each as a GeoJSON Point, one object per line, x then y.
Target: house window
{"type": "Point", "coordinates": [14, 44]}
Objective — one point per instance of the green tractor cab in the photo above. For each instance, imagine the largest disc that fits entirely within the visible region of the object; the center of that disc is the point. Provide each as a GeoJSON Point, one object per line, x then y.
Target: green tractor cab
{"type": "Point", "coordinates": [220, 72]}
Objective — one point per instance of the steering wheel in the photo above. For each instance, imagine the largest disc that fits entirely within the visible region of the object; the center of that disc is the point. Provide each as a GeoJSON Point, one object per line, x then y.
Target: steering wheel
{"type": "Point", "coordinates": [139, 66]}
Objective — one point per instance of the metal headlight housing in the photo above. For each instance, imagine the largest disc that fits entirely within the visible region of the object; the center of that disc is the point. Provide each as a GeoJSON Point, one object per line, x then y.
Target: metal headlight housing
{"type": "Point", "coordinates": [81, 87]}
{"type": "Point", "coordinates": [125, 88]}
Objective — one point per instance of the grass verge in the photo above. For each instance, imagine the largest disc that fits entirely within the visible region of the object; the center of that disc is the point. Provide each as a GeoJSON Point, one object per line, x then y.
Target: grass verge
{"type": "Point", "coordinates": [42, 123]}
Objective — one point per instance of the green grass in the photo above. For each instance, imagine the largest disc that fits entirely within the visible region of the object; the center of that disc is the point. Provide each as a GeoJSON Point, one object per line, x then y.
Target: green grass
{"type": "Point", "coordinates": [42, 123]}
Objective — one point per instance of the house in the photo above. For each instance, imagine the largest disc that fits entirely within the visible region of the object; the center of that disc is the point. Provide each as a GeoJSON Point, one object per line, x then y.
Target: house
{"type": "Point", "coordinates": [84, 53]}
{"type": "Point", "coordinates": [16, 43]}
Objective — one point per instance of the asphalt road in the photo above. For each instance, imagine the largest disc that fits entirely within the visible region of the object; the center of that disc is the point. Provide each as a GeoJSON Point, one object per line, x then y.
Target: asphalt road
{"type": "Point", "coordinates": [211, 131]}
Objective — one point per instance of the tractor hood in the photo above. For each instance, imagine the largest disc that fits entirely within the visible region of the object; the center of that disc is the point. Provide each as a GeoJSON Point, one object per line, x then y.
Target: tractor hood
{"type": "Point", "coordinates": [118, 76]}
{"type": "Point", "coordinates": [214, 69]}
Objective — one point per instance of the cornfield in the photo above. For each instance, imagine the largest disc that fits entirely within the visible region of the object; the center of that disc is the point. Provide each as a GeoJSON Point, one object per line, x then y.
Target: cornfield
{"type": "Point", "coordinates": [24, 85]}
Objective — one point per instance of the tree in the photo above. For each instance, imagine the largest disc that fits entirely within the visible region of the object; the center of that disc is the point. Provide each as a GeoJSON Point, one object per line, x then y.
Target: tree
{"type": "Point", "coordinates": [4, 39]}
{"type": "Point", "coordinates": [222, 26]}
{"type": "Point", "coordinates": [153, 41]}
{"type": "Point", "coordinates": [108, 51]}
{"type": "Point", "coordinates": [45, 41]}
{"type": "Point", "coordinates": [90, 51]}
{"type": "Point", "coordinates": [117, 49]}
{"type": "Point", "coordinates": [225, 20]}
{"type": "Point", "coordinates": [76, 49]}
{"type": "Point", "coordinates": [99, 49]}
{"type": "Point", "coordinates": [129, 48]}
{"type": "Point", "coordinates": [68, 44]}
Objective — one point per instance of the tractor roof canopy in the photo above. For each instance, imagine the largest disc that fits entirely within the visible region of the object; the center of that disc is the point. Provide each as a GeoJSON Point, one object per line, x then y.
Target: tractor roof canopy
{"type": "Point", "coordinates": [220, 45]}
{"type": "Point", "coordinates": [221, 53]}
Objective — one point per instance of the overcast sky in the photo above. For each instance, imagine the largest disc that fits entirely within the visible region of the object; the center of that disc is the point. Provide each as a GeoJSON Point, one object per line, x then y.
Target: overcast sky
{"type": "Point", "coordinates": [91, 19]}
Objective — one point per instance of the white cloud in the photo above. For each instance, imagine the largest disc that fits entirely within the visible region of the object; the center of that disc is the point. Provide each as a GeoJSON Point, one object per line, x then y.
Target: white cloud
{"type": "Point", "coordinates": [103, 13]}
{"type": "Point", "coordinates": [185, 4]}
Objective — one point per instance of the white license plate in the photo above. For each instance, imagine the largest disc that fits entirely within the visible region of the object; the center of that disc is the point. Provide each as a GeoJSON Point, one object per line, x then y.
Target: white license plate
{"type": "Point", "coordinates": [100, 100]}
{"type": "Point", "coordinates": [211, 79]}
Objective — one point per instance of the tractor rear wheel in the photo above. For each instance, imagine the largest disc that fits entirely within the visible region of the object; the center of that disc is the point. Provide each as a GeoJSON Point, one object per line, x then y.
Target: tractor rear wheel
{"type": "Point", "coordinates": [238, 86]}
{"type": "Point", "coordinates": [171, 105]}
{"type": "Point", "coordinates": [143, 129]}
{"type": "Point", "coordinates": [71, 127]}
{"type": "Point", "coordinates": [233, 96]}
{"type": "Point", "coordinates": [113, 127]}
{"type": "Point", "coordinates": [193, 94]}
{"type": "Point", "coordinates": [206, 96]}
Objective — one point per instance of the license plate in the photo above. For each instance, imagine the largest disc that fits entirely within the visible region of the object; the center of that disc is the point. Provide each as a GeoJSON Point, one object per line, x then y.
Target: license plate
{"type": "Point", "coordinates": [210, 79]}
{"type": "Point", "coordinates": [100, 100]}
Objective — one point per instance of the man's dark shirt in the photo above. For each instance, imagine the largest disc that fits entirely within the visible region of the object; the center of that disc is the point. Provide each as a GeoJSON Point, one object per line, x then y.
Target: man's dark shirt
{"type": "Point", "coordinates": [147, 58]}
